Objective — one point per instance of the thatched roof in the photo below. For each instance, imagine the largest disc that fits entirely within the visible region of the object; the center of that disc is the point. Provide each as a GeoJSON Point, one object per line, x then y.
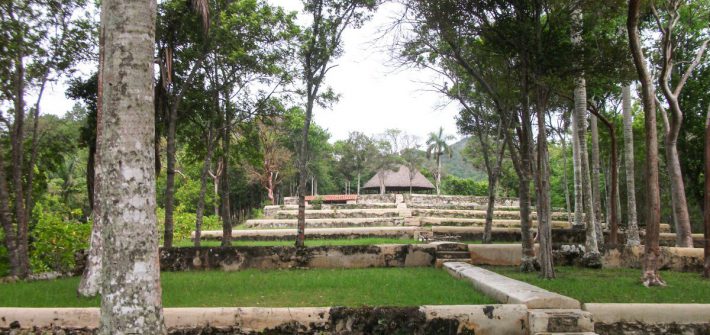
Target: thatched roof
{"type": "Point", "coordinates": [399, 179]}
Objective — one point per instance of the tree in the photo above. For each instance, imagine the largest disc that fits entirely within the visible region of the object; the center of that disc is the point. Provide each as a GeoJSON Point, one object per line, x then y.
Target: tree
{"type": "Point", "coordinates": [384, 161]}
{"type": "Point", "coordinates": [275, 157]}
{"type": "Point", "coordinates": [358, 151]}
{"type": "Point", "coordinates": [322, 42]}
{"type": "Point", "coordinates": [667, 26]}
{"type": "Point", "coordinates": [651, 261]}
{"type": "Point", "coordinates": [437, 147]}
{"type": "Point", "coordinates": [131, 299]}
{"type": "Point", "coordinates": [706, 204]}
{"type": "Point", "coordinates": [632, 229]}
{"type": "Point", "coordinates": [41, 42]}
{"type": "Point", "coordinates": [412, 160]}
{"type": "Point", "coordinates": [592, 257]}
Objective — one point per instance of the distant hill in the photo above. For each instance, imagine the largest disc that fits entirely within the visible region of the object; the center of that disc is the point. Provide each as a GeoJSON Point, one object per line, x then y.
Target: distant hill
{"type": "Point", "coordinates": [457, 164]}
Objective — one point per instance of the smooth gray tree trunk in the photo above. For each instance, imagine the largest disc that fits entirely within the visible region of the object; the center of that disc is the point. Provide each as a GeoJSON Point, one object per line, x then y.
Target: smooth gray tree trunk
{"type": "Point", "coordinates": [632, 229]}
{"type": "Point", "coordinates": [131, 294]}
{"type": "Point", "coordinates": [90, 284]}
{"type": "Point", "coordinates": [577, 177]}
{"type": "Point", "coordinates": [597, 181]}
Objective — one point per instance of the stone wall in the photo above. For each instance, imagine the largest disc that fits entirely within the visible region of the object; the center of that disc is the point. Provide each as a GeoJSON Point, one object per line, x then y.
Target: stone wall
{"type": "Point", "coordinates": [681, 319]}
{"type": "Point", "coordinates": [434, 320]}
{"type": "Point", "coordinates": [368, 199]}
{"type": "Point", "coordinates": [439, 200]}
{"type": "Point", "coordinates": [268, 257]}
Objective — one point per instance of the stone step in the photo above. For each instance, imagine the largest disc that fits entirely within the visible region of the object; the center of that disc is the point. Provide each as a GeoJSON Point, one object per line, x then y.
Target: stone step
{"type": "Point", "coordinates": [338, 213]}
{"type": "Point", "coordinates": [560, 321]}
{"type": "Point", "coordinates": [313, 233]}
{"type": "Point", "coordinates": [439, 263]}
{"type": "Point", "coordinates": [450, 246]}
{"type": "Point", "coordinates": [271, 210]}
{"type": "Point", "coordinates": [326, 223]}
{"type": "Point", "coordinates": [480, 214]}
{"type": "Point", "coordinates": [509, 291]}
{"type": "Point", "coordinates": [480, 222]}
{"type": "Point", "coordinates": [453, 255]}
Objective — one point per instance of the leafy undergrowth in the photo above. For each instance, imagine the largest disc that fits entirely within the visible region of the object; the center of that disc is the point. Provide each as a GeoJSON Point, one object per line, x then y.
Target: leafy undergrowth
{"type": "Point", "coordinates": [617, 285]}
{"type": "Point", "coordinates": [275, 288]}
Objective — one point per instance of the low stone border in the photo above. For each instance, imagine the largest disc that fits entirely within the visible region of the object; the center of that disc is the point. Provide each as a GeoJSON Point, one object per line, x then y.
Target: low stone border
{"type": "Point", "coordinates": [618, 319]}
{"type": "Point", "coordinates": [312, 233]}
{"type": "Point", "coordinates": [457, 319]}
{"type": "Point", "coordinates": [508, 290]}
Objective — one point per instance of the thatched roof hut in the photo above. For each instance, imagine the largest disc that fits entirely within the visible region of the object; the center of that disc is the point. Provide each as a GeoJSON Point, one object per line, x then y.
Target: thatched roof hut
{"type": "Point", "coordinates": [399, 181]}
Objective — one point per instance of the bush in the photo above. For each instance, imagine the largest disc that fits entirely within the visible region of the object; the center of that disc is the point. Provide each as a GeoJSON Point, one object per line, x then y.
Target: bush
{"type": "Point", "coordinates": [184, 223]}
{"type": "Point", "coordinates": [317, 203]}
{"type": "Point", "coordinates": [55, 240]}
{"type": "Point", "coordinates": [453, 185]}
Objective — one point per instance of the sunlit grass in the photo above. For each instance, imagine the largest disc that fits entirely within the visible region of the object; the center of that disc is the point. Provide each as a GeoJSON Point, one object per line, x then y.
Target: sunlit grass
{"type": "Point", "coordinates": [274, 288]}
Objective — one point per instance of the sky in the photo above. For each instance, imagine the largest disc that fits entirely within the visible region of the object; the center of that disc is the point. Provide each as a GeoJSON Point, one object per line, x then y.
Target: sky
{"type": "Point", "coordinates": [374, 93]}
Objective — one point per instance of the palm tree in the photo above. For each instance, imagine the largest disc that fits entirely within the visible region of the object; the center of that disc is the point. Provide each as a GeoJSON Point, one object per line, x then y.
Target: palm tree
{"type": "Point", "coordinates": [437, 147]}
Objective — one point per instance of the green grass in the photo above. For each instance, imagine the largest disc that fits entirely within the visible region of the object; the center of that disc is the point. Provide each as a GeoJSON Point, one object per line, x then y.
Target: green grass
{"type": "Point", "coordinates": [617, 285]}
{"type": "Point", "coordinates": [276, 288]}
{"type": "Point", "coordinates": [309, 243]}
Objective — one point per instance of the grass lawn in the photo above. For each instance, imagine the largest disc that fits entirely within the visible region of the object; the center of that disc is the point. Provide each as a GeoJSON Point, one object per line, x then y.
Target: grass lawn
{"type": "Point", "coordinates": [276, 288]}
{"type": "Point", "coordinates": [617, 285]}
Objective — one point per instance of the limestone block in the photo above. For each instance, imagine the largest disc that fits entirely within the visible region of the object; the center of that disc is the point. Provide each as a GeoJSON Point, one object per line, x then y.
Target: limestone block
{"type": "Point", "coordinates": [481, 319]}
{"type": "Point", "coordinates": [508, 290]}
{"type": "Point", "coordinates": [560, 321]}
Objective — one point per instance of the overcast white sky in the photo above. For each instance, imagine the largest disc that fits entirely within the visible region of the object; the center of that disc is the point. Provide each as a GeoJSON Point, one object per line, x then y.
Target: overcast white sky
{"type": "Point", "coordinates": [374, 94]}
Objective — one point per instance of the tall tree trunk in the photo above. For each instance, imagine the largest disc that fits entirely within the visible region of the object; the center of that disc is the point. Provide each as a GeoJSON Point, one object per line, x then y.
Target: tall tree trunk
{"type": "Point", "coordinates": [542, 188]}
{"type": "Point", "coordinates": [681, 218]}
{"type": "Point", "coordinates": [358, 183]}
{"type": "Point", "coordinates": [303, 170]}
{"type": "Point", "coordinates": [613, 183]}
{"type": "Point", "coordinates": [706, 202]}
{"type": "Point", "coordinates": [528, 262]}
{"type": "Point", "coordinates": [651, 262]}
{"type": "Point", "coordinates": [438, 173]}
{"type": "Point", "coordinates": [224, 183]}
{"type": "Point", "coordinates": [170, 153]}
{"type": "Point", "coordinates": [10, 238]}
{"type": "Point", "coordinates": [577, 177]}
{"type": "Point", "coordinates": [203, 188]}
{"type": "Point", "coordinates": [90, 283]}
{"type": "Point", "coordinates": [592, 257]}
{"type": "Point", "coordinates": [632, 229]}
{"type": "Point", "coordinates": [568, 203]}
{"type": "Point", "coordinates": [131, 299]}
{"type": "Point", "coordinates": [17, 138]}
{"type": "Point", "coordinates": [596, 181]}
{"type": "Point", "coordinates": [488, 226]}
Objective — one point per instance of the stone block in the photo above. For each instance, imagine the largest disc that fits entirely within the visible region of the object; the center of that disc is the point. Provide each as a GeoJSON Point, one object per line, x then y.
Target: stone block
{"type": "Point", "coordinates": [508, 290]}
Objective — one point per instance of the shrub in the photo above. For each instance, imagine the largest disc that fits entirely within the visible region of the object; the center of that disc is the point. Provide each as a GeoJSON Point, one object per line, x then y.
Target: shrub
{"type": "Point", "coordinates": [463, 186]}
{"type": "Point", "coordinates": [184, 223]}
{"type": "Point", "coordinates": [317, 203]}
{"type": "Point", "coordinates": [55, 241]}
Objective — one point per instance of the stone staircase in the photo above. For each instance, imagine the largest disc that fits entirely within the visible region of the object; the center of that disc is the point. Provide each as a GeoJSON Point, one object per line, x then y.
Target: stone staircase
{"type": "Point", "coordinates": [451, 252]}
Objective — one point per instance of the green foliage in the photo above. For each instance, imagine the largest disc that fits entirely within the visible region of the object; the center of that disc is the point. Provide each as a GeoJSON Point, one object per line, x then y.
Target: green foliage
{"type": "Point", "coordinates": [453, 185]}
{"type": "Point", "coordinates": [184, 223]}
{"type": "Point", "coordinates": [317, 203]}
{"type": "Point", "coordinates": [188, 193]}
{"type": "Point", "coordinates": [56, 239]}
